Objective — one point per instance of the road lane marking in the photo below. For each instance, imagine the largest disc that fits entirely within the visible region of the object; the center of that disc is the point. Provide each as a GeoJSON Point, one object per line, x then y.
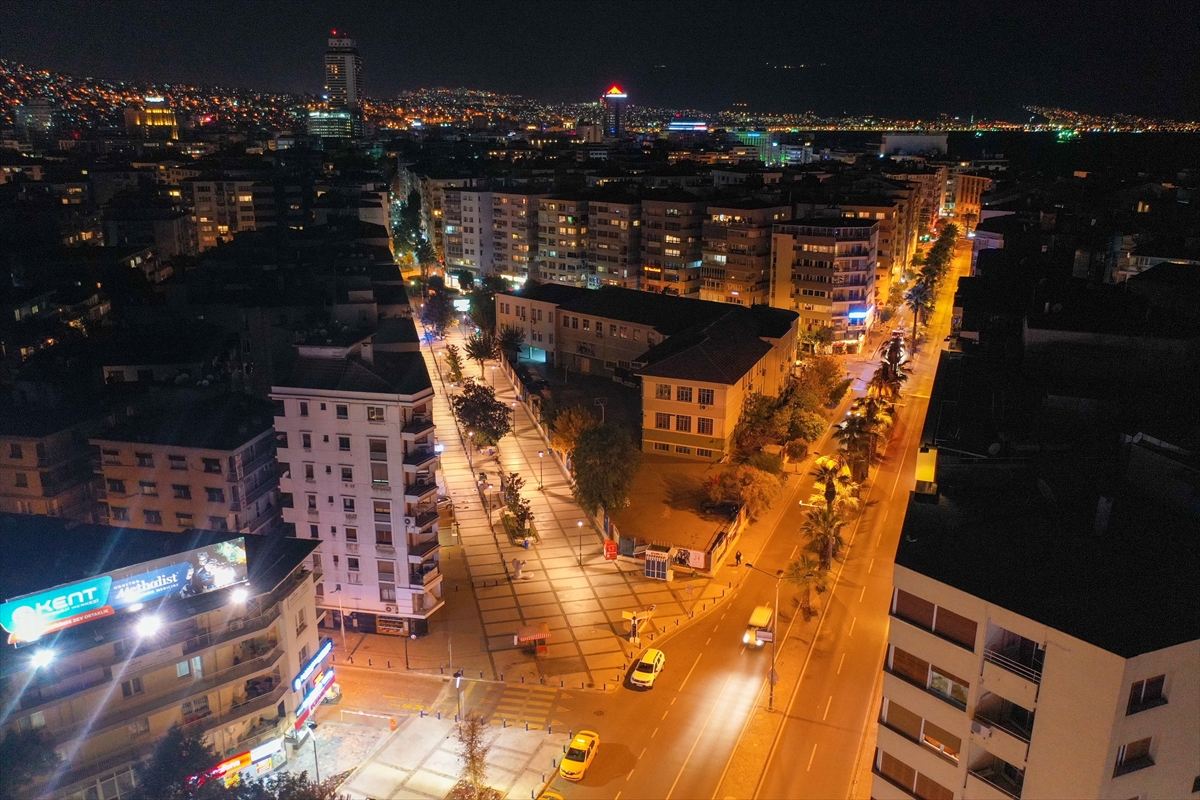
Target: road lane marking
{"type": "Point", "coordinates": [617, 796]}
{"type": "Point", "coordinates": [655, 731]}
{"type": "Point", "coordinates": [811, 757]}
{"type": "Point", "coordinates": [722, 617]}
{"type": "Point", "coordinates": [871, 566]}
{"type": "Point", "coordinates": [699, 735]}
{"type": "Point", "coordinates": [630, 775]}
{"type": "Point", "coordinates": [863, 593]}
{"type": "Point", "coordinates": [708, 642]}
{"type": "Point", "coordinates": [793, 555]}
{"type": "Point", "coordinates": [690, 671]}
{"type": "Point", "coordinates": [641, 754]}
{"type": "Point", "coordinates": [843, 661]}
{"type": "Point", "coordinates": [852, 621]}
{"type": "Point", "coordinates": [668, 711]}
{"type": "Point", "coordinates": [827, 705]}
{"type": "Point", "coordinates": [673, 699]}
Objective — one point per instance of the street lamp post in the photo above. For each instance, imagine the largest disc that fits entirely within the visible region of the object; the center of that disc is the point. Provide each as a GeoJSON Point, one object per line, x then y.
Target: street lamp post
{"type": "Point", "coordinates": [773, 678]}
{"type": "Point", "coordinates": [541, 473]}
{"type": "Point", "coordinates": [312, 727]}
{"type": "Point", "coordinates": [580, 526]}
{"type": "Point", "coordinates": [342, 617]}
{"type": "Point", "coordinates": [470, 447]}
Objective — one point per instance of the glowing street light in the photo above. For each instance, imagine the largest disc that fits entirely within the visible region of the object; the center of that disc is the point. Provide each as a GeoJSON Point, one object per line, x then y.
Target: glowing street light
{"type": "Point", "coordinates": [541, 474]}
{"type": "Point", "coordinates": [773, 678]}
{"type": "Point", "coordinates": [580, 525]}
{"type": "Point", "coordinates": [239, 595]}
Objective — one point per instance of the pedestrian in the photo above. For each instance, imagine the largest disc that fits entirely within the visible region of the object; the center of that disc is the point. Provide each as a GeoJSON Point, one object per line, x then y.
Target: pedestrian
{"type": "Point", "coordinates": [737, 558]}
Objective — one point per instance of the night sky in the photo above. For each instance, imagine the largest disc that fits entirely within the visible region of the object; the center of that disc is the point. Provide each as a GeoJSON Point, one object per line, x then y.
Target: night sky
{"type": "Point", "coordinates": [902, 59]}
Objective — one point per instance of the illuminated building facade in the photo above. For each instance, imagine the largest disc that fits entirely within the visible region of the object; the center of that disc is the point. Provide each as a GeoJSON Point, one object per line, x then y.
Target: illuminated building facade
{"type": "Point", "coordinates": [615, 101]}
{"type": "Point", "coordinates": [219, 208]}
{"type": "Point", "coordinates": [824, 269]}
{"type": "Point", "coordinates": [343, 73]}
{"type": "Point", "coordinates": [737, 251]}
{"type": "Point", "coordinates": [671, 242]}
{"type": "Point", "coordinates": [514, 232]}
{"type": "Point", "coordinates": [115, 635]}
{"type": "Point", "coordinates": [154, 120]}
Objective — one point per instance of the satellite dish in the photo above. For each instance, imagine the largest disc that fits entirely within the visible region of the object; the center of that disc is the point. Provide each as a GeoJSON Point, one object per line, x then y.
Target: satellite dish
{"type": "Point", "coordinates": [994, 449]}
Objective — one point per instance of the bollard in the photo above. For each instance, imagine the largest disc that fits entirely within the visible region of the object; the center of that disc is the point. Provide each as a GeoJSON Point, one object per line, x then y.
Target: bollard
{"type": "Point", "coordinates": [502, 677]}
{"type": "Point", "coordinates": [522, 679]}
{"type": "Point", "coordinates": [421, 713]}
{"type": "Point", "coordinates": [503, 723]}
{"type": "Point", "coordinates": [369, 663]}
{"type": "Point", "coordinates": [693, 613]}
{"type": "Point", "coordinates": [393, 721]}
{"type": "Point", "coordinates": [677, 622]}
{"type": "Point", "coordinates": [562, 683]}
{"type": "Point", "coordinates": [443, 669]}
{"type": "Point", "coordinates": [553, 763]}
{"type": "Point", "coordinates": [480, 674]}
{"type": "Point", "coordinates": [456, 717]}
{"type": "Point", "coordinates": [606, 687]}
{"type": "Point", "coordinates": [731, 584]}
{"type": "Point", "coordinates": [456, 587]}
{"type": "Point", "coordinates": [527, 728]}
{"type": "Point", "coordinates": [549, 730]}
{"type": "Point", "coordinates": [581, 684]}
{"type": "Point", "coordinates": [389, 663]}
{"type": "Point", "coordinates": [439, 715]}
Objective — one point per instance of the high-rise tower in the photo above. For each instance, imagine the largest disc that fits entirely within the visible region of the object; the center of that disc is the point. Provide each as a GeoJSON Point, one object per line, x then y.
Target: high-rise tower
{"type": "Point", "coordinates": [343, 73]}
{"type": "Point", "coordinates": [614, 112]}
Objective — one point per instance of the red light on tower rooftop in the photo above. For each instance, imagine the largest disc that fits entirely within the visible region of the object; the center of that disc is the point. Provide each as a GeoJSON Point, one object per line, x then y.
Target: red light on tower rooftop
{"type": "Point", "coordinates": [615, 91]}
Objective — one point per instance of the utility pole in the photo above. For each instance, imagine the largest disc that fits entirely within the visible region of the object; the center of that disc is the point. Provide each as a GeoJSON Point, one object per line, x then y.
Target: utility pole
{"type": "Point", "coordinates": [773, 678]}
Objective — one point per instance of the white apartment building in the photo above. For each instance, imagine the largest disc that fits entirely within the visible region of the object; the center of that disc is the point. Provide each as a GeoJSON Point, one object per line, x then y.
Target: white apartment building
{"type": "Point", "coordinates": [1039, 652]}
{"type": "Point", "coordinates": [514, 232]}
{"type": "Point", "coordinates": [358, 460]}
{"type": "Point", "coordinates": [219, 209]}
{"type": "Point", "coordinates": [115, 635]}
{"type": "Point", "coordinates": [468, 230]}
{"type": "Point", "coordinates": [563, 241]}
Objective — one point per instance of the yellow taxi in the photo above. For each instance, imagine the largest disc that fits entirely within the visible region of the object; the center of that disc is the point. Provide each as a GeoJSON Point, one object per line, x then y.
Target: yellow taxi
{"type": "Point", "coordinates": [579, 755]}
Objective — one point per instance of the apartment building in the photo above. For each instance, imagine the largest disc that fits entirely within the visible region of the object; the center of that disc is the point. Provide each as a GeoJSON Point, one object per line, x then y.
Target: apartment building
{"type": "Point", "coordinates": [737, 251]}
{"type": "Point", "coordinates": [672, 244]}
{"type": "Point", "coordinates": [892, 234]}
{"type": "Point", "coordinates": [214, 632]}
{"type": "Point", "coordinates": [358, 458]}
{"type": "Point", "coordinates": [614, 239]}
{"type": "Point", "coordinates": [45, 464]}
{"type": "Point", "coordinates": [694, 384]}
{"type": "Point", "coordinates": [431, 188]}
{"type": "Point", "coordinates": [562, 240]}
{"type": "Point", "coordinates": [207, 464]}
{"type": "Point", "coordinates": [514, 232]}
{"type": "Point", "coordinates": [468, 230]}
{"type": "Point", "coordinates": [963, 197]}
{"type": "Point", "coordinates": [931, 184]}
{"type": "Point", "coordinates": [219, 208]}
{"type": "Point", "coordinates": [824, 269]}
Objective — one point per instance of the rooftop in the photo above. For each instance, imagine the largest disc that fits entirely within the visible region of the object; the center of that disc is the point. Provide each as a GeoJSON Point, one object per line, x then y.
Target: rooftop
{"type": "Point", "coordinates": [721, 353]}
{"type": "Point", "coordinates": [666, 504]}
{"type": "Point", "coordinates": [224, 422]}
{"type": "Point", "coordinates": [391, 373]}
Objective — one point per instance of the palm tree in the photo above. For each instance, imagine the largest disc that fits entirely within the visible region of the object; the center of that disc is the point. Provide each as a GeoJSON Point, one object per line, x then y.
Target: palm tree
{"type": "Point", "coordinates": [918, 298]}
{"type": "Point", "coordinates": [807, 575]}
{"type": "Point", "coordinates": [480, 348]}
{"type": "Point", "coordinates": [855, 438]}
{"type": "Point", "coordinates": [510, 340]}
{"type": "Point", "coordinates": [878, 415]}
{"type": "Point", "coordinates": [835, 477]}
{"type": "Point", "coordinates": [823, 527]}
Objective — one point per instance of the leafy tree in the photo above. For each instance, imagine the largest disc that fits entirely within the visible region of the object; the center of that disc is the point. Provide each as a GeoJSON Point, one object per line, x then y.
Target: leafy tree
{"type": "Point", "coordinates": [767, 462]}
{"type": "Point", "coordinates": [480, 348]}
{"type": "Point", "coordinates": [823, 374]}
{"type": "Point", "coordinates": [438, 309]}
{"type": "Point", "coordinates": [807, 575]}
{"type": "Point", "coordinates": [823, 528]}
{"type": "Point", "coordinates": [290, 786]}
{"type": "Point", "coordinates": [886, 314]}
{"type": "Point", "coordinates": [479, 411]}
{"type": "Point", "coordinates": [606, 462]}
{"type": "Point", "coordinates": [839, 390]}
{"type": "Point", "coordinates": [454, 364]}
{"type": "Point", "coordinates": [762, 423]}
{"type": "Point", "coordinates": [745, 486]}
{"type": "Point", "coordinates": [466, 279]}
{"type": "Point", "coordinates": [805, 425]}
{"type": "Point", "coordinates": [510, 340]}
{"type": "Point", "coordinates": [483, 302]}
{"type": "Point", "coordinates": [568, 425]}
{"type": "Point", "coordinates": [473, 739]}
{"type": "Point", "coordinates": [24, 756]}
{"type": "Point", "coordinates": [167, 774]}
{"type": "Point", "coordinates": [818, 340]}
{"type": "Point", "coordinates": [520, 508]}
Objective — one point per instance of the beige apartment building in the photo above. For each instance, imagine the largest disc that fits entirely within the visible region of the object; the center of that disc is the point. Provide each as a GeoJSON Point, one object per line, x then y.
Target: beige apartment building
{"type": "Point", "coordinates": [45, 464]}
{"type": "Point", "coordinates": [672, 243]}
{"type": "Point", "coordinates": [514, 232]}
{"type": "Point", "coordinates": [931, 184]}
{"type": "Point", "coordinates": [219, 209]}
{"type": "Point", "coordinates": [964, 197]}
{"type": "Point", "coordinates": [213, 632]}
{"type": "Point", "coordinates": [824, 268]}
{"type": "Point", "coordinates": [208, 464]}
{"type": "Point", "coordinates": [468, 230]}
{"type": "Point", "coordinates": [563, 240]}
{"type": "Point", "coordinates": [614, 239]}
{"type": "Point", "coordinates": [737, 251]}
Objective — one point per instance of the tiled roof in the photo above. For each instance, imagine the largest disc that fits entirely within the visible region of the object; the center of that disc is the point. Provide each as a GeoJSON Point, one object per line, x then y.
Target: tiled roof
{"type": "Point", "coordinates": [721, 353]}
{"type": "Point", "coordinates": [391, 373]}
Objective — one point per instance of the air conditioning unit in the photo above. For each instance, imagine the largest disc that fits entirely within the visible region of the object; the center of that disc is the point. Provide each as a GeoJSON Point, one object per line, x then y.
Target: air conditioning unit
{"type": "Point", "coordinates": [410, 520]}
{"type": "Point", "coordinates": [984, 731]}
{"type": "Point", "coordinates": [703, 407]}
{"type": "Point", "coordinates": [389, 608]}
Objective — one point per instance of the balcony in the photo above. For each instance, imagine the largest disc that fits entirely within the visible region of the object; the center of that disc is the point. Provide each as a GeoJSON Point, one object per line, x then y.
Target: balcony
{"type": "Point", "coordinates": [260, 490]}
{"type": "Point", "coordinates": [420, 457]}
{"type": "Point", "coordinates": [419, 489]}
{"type": "Point", "coordinates": [1020, 656]}
{"type": "Point", "coordinates": [424, 578]}
{"type": "Point", "coordinates": [999, 774]}
{"type": "Point", "coordinates": [424, 516]}
{"type": "Point", "coordinates": [1133, 765]}
{"type": "Point", "coordinates": [996, 712]}
{"type": "Point", "coordinates": [250, 466]}
{"type": "Point", "coordinates": [236, 629]}
{"type": "Point", "coordinates": [418, 426]}
{"type": "Point", "coordinates": [422, 551]}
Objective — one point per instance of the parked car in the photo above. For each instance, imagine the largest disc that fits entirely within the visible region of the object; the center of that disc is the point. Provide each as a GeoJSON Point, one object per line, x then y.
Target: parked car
{"type": "Point", "coordinates": [579, 755]}
{"type": "Point", "coordinates": [648, 668]}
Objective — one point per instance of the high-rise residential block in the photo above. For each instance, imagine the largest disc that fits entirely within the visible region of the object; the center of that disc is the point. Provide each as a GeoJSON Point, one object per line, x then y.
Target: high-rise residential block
{"type": "Point", "coordinates": [358, 463]}
{"type": "Point", "coordinates": [737, 251]}
{"type": "Point", "coordinates": [823, 268]}
{"type": "Point", "coordinates": [672, 244]}
{"type": "Point", "coordinates": [219, 208]}
{"type": "Point", "coordinates": [514, 231]}
{"type": "Point", "coordinates": [467, 228]}
{"type": "Point", "coordinates": [614, 239]}
{"type": "Point", "coordinates": [562, 240]}
{"type": "Point", "coordinates": [615, 101]}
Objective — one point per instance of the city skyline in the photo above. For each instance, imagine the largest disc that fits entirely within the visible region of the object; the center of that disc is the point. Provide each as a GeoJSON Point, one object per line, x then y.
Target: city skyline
{"type": "Point", "coordinates": [890, 62]}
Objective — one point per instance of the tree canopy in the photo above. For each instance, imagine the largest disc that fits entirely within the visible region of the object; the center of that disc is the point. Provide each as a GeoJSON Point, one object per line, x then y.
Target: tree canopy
{"type": "Point", "coordinates": [746, 486]}
{"type": "Point", "coordinates": [480, 412]}
{"type": "Point", "coordinates": [567, 426]}
{"type": "Point", "coordinates": [605, 461]}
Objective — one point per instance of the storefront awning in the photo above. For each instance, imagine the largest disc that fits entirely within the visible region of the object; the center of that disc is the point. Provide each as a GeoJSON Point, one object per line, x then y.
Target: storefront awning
{"type": "Point", "coordinates": [532, 633]}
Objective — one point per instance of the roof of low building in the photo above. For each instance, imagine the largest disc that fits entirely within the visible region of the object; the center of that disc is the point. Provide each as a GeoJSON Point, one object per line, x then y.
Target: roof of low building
{"type": "Point", "coordinates": [223, 422]}
{"type": "Point", "coordinates": [401, 373]}
{"type": "Point", "coordinates": [720, 353]}
{"type": "Point", "coordinates": [666, 504]}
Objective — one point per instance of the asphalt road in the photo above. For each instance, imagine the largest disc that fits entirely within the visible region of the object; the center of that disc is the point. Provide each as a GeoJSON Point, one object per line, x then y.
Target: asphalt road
{"type": "Point", "coordinates": [677, 740]}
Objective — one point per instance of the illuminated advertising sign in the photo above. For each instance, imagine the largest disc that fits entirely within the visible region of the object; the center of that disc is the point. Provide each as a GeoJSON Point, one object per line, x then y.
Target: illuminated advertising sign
{"type": "Point", "coordinates": [311, 666]}
{"type": "Point", "coordinates": [195, 572]}
{"type": "Point", "coordinates": [324, 681]}
{"type": "Point", "coordinates": [263, 758]}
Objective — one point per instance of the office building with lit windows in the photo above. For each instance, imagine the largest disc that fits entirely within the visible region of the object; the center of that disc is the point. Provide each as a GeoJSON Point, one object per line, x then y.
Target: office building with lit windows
{"type": "Point", "coordinates": [343, 73]}
{"type": "Point", "coordinates": [116, 635]}
{"type": "Point", "coordinates": [358, 462]}
{"type": "Point", "coordinates": [615, 100]}
{"type": "Point", "coordinates": [153, 120]}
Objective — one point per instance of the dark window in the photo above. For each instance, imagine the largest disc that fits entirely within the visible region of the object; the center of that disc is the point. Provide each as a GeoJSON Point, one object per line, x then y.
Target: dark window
{"type": "Point", "coordinates": [344, 443]}
{"type": "Point", "coordinates": [1146, 694]}
{"type": "Point", "coordinates": [343, 412]}
{"type": "Point", "coordinates": [957, 629]}
{"type": "Point", "coordinates": [348, 474]}
{"type": "Point", "coordinates": [906, 665]}
{"type": "Point", "coordinates": [304, 409]}
{"type": "Point", "coordinates": [1133, 756]}
{"type": "Point", "coordinates": [181, 491]}
{"type": "Point", "coordinates": [180, 462]}
{"type": "Point", "coordinates": [212, 465]}
{"type": "Point", "coordinates": [215, 495]}
{"type": "Point", "coordinates": [913, 609]}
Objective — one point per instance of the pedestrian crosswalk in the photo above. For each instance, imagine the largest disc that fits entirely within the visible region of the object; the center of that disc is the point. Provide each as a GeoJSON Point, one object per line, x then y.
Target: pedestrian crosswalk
{"type": "Point", "coordinates": [501, 704]}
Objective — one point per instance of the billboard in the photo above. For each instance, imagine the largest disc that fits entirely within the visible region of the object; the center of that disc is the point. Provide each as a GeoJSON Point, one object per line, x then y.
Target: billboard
{"type": "Point", "coordinates": [195, 572]}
